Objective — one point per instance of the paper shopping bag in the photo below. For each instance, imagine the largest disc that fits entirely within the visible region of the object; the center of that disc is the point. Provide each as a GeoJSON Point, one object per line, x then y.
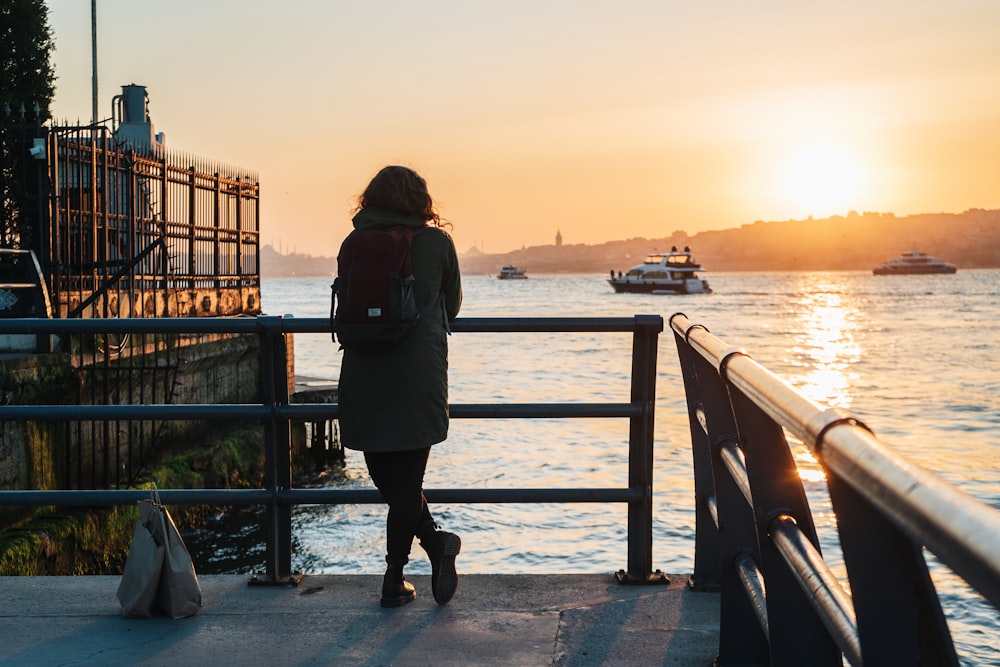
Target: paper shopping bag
{"type": "Point", "coordinates": [144, 564]}
{"type": "Point", "coordinates": [179, 593]}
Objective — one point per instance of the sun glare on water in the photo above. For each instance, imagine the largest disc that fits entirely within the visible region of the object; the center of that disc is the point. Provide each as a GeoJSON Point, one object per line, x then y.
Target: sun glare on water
{"type": "Point", "coordinates": [823, 179]}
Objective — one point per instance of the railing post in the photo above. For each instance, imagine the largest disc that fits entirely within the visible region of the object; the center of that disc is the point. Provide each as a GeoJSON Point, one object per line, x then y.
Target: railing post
{"type": "Point", "coordinates": [899, 615]}
{"type": "Point", "coordinates": [706, 550]}
{"type": "Point", "coordinates": [277, 444]}
{"type": "Point", "coordinates": [743, 634]}
{"type": "Point", "coordinates": [798, 635]}
{"type": "Point", "coordinates": [640, 454]}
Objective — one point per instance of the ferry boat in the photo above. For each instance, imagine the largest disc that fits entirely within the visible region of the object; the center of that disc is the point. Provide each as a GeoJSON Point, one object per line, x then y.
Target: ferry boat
{"type": "Point", "coordinates": [914, 262]}
{"type": "Point", "coordinates": [673, 272]}
{"type": "Point", "coordinates": [511, 272]}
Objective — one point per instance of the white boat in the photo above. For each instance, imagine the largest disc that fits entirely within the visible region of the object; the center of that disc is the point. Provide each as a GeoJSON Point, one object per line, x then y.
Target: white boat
{"type": "Point", "coordinates": [511, 272]}
{"type": "Point", "coordinates": [673, 272]}
{"type": "Point", "coordinates": [914, 262]}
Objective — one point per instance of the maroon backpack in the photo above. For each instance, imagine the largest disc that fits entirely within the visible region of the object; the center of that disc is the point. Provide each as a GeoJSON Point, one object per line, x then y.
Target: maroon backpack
{"type": "Point", "coordinates": [373, 305]}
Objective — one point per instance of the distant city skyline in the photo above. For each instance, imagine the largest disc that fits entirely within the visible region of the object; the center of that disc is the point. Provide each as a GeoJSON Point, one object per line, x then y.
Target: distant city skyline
{"type": "Point", "coordinates": [595, 120]}
{"type": "Point", "coordinates": [854, 242]}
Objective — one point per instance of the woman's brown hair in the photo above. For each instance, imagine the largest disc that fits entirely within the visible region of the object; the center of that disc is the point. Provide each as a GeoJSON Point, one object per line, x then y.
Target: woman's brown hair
{"type": "Point", "coordinates": [398, 189]}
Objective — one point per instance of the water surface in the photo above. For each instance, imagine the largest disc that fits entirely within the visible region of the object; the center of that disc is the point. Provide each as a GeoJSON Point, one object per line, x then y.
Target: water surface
{"type": "Point", "coordinates": [917, 358]}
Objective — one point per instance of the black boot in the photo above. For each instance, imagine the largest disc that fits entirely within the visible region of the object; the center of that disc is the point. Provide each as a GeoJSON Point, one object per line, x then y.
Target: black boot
{"type": "Point", "coordinates": [396, 590]}
{"type": "Point", "coordinates": [441, 548]}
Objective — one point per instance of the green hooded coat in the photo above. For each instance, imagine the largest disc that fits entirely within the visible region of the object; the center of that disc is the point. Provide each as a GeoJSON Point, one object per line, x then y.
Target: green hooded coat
{"type": "Point", "coordinates": [398, 399]}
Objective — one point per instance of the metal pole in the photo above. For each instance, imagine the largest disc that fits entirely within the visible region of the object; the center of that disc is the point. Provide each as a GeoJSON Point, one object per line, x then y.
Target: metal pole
{"type": "Point", "coordinates": [706, 552]}
{"type": "Point", "coordinates": [93, 47]}
{"type": "Point", "coordinates": [640, 456]}
{"type": "Point", "coordinates": [278, 473]}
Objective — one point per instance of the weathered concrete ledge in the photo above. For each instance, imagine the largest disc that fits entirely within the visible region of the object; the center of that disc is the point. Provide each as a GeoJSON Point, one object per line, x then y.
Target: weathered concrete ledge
{"type": "Point", "coordinates": [569, 619]}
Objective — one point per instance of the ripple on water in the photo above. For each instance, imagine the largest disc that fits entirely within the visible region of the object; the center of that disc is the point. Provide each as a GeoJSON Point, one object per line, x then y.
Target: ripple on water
{"type": "Point", "coordinates": [873, 344]}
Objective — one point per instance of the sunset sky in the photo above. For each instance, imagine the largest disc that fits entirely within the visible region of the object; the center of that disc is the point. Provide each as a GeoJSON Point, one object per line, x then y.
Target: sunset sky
{"type": "Point", "coordinates": [600, 120]}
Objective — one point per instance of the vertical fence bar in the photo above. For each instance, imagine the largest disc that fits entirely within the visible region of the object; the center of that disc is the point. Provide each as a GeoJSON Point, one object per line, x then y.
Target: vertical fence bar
{"type": "Point", "coordinates": [192, 233]}
{"type": "Point", "coordinates": [237, 190]}
{"type": "Point", "coordinates": [640, 457]}
{"type": "Point", "coordinates": [277, 443]}
{"type": "Point", "coordinates": [216, 230]}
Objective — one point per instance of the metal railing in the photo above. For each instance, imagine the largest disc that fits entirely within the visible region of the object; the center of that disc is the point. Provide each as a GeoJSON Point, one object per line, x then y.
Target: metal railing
{"type": "Point", "coordinates": [276, 413]}
{"type": "Point", "coordinates": [756, 542]}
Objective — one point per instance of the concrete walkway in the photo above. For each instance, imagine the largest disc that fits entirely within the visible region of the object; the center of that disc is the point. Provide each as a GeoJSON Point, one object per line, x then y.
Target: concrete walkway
{"type": "Point", "coordinates": [566, 620]}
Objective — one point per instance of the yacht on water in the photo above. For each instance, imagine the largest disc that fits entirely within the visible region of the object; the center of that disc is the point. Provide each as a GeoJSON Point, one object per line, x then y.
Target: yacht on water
{"type": "Point", "coordinates": [673, 272]}
{"type": "Point", "coordinates": [913, 262]}
{"type": "Point", "coordinates": [511, 272]}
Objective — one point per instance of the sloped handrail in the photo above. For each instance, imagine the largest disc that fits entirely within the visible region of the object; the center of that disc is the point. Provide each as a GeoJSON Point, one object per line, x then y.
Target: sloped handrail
{"type": "Point", "coordinates": [756, 541]}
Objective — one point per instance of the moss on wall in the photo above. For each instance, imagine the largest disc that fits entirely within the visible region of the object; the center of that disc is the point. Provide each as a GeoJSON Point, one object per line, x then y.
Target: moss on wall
{"type": "Point", "coordinates": [69, 543]}
{"type": "Point", "coordinates": [73, 542]}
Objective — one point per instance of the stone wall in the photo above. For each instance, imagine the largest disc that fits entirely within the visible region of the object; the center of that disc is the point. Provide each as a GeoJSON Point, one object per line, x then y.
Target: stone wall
{"type": "Point", "coordinates": [43, 455]}
{"type": "Point", "coordinates": [28, 451]}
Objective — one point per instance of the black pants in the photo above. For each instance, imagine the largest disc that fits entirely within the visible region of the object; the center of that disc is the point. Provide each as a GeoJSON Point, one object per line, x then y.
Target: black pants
{"type": "Point", "coordinates": [399, 477]}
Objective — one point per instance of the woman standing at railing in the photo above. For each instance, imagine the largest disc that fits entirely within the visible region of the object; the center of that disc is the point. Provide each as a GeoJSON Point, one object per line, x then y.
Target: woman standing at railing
{"type": "Point", "coordinates": [394, 403]}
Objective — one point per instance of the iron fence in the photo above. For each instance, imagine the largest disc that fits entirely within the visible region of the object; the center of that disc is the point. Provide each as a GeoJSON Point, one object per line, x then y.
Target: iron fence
{"type": "Point", "coordinates": [137, 232]}
{"type": "Point", "coordinates": [121, 230]}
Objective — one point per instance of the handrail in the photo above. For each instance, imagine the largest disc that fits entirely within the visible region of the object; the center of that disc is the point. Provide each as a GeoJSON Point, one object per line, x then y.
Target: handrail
{"type": "Point", "coordinates": [305, 411]}
{"type": "Point", "coordinates": [756, 537]}
{"type": "Point", "coordinates": [276, 413]}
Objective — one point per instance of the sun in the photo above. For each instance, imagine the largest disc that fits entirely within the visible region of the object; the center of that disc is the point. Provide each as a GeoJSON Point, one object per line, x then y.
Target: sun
{"type": "Point", "coordinates": [823, 179]}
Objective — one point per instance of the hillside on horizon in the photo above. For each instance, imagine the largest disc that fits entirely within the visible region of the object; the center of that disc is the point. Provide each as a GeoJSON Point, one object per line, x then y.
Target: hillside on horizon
{"type": "Point", "coordinates": [853, 242]}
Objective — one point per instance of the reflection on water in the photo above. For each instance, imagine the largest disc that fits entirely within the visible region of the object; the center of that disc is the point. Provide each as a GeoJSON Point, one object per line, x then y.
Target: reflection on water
{"type": "Point", "coordinates": [875, 345]}
{"type": "Point", "coordinates": [825, 344]}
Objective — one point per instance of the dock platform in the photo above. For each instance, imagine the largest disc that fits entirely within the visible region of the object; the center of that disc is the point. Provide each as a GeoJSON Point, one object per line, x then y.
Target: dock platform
{"type": "Point", "coordinates": [510, 620]}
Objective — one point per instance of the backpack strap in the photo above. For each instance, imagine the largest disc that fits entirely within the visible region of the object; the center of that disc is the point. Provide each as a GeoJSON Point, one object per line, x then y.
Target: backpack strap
{"type": "Point", "coordinates": [438, 298]}
{"type": "Point", "coordinates": [444, 313]}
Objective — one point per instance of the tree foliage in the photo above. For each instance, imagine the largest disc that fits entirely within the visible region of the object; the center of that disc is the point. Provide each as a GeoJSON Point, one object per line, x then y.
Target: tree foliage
{"type": "Point", "coordinates": [27, 84]}
{"type": "Point", "coordinates": [26, 72]}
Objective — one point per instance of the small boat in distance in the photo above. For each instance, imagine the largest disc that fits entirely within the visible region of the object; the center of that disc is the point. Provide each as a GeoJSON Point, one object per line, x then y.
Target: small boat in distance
{"type": "Point", "coordinates": [673, 272]}
{"type": "Point", "coordinates": [511, 272]}
{"type": "Point", "coordinates": [914, 262]}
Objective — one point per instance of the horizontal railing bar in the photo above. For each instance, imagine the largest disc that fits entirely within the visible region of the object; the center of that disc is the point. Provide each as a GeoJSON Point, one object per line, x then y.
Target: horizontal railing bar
{"type": "Point", "coordinates": [833, 605]}
{"type": "Point", "coordinates": [133, 412]}
{"type": "Point", "coordinates": [107, 498]}
{"type": "Point", "coordinates": [770, 393]}
{"type": "Point", "coordinates": [136, 325]}
{"type": "Point", "coordinates": [732, 456]}
{"type": "Point", "coordinates": [961, 530]}
{"type": "Point", "coordinates": [702, 418]}
{"type": "Point", "coordinates": [713, 509]}
{"type": "Point", "coordinates": [310, 496]}
{"type": "Point", "coordinates": [324, 411]}
{"type": "Point", "coordinates": [752, 580]}
{"type": "Point", "coordinates": [457, 496]}
{"type": "Point", "coordinates": [193, 325]}
{"type": "Point", "coordinates": [545, 410]}
{"type": "Point", "coordinates": [303, 411]}
{"type": "Point", "coordinates": [496, 324]}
